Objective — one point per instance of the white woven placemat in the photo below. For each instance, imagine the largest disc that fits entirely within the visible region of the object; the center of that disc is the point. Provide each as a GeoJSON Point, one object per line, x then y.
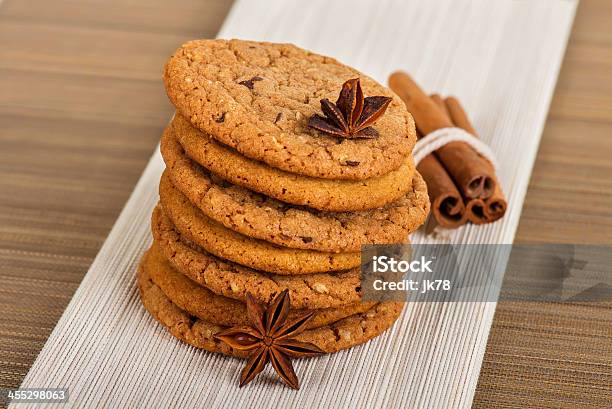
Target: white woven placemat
{"type": "Point", "coordinates": [501, 57]}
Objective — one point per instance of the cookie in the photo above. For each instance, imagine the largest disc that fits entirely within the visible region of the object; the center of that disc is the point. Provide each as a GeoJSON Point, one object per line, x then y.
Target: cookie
{"type": "Point", "coordinates": [321, 194]}
{"type": "Point", "coordinates": [208, 306]}
{"type": "Point", "coordinates": [312, 291]}
{"type": "Point", "coordinates": [227, 244]}
{"type": "Point", "coordinates": [257, 98]}
{"type": "Point", "coordinates": [268, 219]}
{"type": "Point", "coordinates": [350, 331]}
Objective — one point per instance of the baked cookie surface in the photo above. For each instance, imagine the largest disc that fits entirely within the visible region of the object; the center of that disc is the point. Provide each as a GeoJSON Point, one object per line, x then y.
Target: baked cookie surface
{"type": "Point", "coordinates": [206, 305]}
{"type": "Point", "coordinates": [350, 331]}
{"type": "Point", "coordinates": [227, 244]}
{"type": "Point", "coordinates": [257, 98]}
{"type": "Point", "coordinates": [322, 194]}
{"type": "Point", "coordinates": [312, 291]}
{"type": "Point", "coordinates": [256, 215]}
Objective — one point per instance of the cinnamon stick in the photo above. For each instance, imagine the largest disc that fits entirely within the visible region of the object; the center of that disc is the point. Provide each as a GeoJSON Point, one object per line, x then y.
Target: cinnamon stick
{"type": "Point", "coordinates": [474, 208]}
{"type": "Point", "coordinates": [437, 99]}
{"type": "Point", "coordinates": [471, 172]}
{"type": "Point", "coordinates": [458, 115]}
{"type": "Point", "coordinates": [475, 211]}
{"type": "Point", "coordinates": [447, 206]}
{"type": "Point", "coordinates": [494, 206]}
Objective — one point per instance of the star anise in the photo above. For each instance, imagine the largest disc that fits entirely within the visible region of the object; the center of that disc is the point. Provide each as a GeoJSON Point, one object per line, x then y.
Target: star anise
{"type": "Point", "coordinates": [352, 114]}
{"type": "Point", "coordinates": [270, 339]}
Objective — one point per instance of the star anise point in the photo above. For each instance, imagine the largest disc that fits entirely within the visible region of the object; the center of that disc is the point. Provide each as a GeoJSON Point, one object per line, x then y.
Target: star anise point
{"type": "Point", "coordinates": [352, 115]}
{"type": "Point", "coordinates": [270, 338]}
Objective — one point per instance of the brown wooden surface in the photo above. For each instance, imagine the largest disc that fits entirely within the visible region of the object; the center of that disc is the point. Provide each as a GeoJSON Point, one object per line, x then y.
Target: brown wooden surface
{"type": "Point", "coordinates": [82, 107]}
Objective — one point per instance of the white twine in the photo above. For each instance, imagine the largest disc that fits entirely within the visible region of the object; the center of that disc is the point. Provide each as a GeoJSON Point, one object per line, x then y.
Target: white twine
{"type": "Point", "coordinates": [438, 138]}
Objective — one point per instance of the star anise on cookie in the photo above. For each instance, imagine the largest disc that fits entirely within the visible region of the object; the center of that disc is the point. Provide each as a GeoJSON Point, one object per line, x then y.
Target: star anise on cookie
{"type": "Point", "coordinates": [269, 338]}
{"type": "Point", "coordinates": [352, 115]}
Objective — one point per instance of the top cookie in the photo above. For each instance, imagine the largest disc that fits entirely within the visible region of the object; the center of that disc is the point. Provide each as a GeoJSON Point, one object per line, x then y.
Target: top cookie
{"type": "Point", "coordinates": [257, 98]}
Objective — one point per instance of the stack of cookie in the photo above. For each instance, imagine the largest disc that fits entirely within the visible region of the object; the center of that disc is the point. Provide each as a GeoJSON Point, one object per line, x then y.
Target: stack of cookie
{"type": "Point", "coordinates": [267, 188]}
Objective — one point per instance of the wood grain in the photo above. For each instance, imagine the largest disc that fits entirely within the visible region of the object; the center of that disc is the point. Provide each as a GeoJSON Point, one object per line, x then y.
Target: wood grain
{"type": "Point", "coordinates": [82, 107]}
{"type": "Point", "coordinates": [560, 355]}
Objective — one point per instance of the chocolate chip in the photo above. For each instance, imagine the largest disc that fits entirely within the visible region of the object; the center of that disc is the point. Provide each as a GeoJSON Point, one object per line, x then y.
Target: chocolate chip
{"type": "Point", "coordinates": [278, 117]}
{"type": "Point", "coordinates": [221, 118]}
{"type": "Point", "coordinates": [351, 163]}
{"type": "Point", "coordinates": [306, 239]}
{"type": "Point", "coordinates": [250, 83]}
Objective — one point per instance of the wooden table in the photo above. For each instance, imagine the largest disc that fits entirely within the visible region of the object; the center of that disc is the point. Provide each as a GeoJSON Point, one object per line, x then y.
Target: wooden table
{"type": "Point", "coordinates": [81, 110]}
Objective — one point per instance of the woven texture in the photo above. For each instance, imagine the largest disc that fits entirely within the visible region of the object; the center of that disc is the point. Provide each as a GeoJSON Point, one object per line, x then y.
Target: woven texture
{"type": "Point", "coordinates": [109, 352]}
{"type": "Point", "coordinates": [573, 359]}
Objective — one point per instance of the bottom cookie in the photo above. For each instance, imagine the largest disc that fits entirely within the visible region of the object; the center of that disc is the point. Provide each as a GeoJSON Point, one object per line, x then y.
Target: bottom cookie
{"type": "Point", "coordinates": [348, 332]}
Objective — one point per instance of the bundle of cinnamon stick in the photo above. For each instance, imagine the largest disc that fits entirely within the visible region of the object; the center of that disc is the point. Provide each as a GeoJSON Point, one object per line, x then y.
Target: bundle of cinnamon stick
{"type": "Point", "coordinates": [462, 184]}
